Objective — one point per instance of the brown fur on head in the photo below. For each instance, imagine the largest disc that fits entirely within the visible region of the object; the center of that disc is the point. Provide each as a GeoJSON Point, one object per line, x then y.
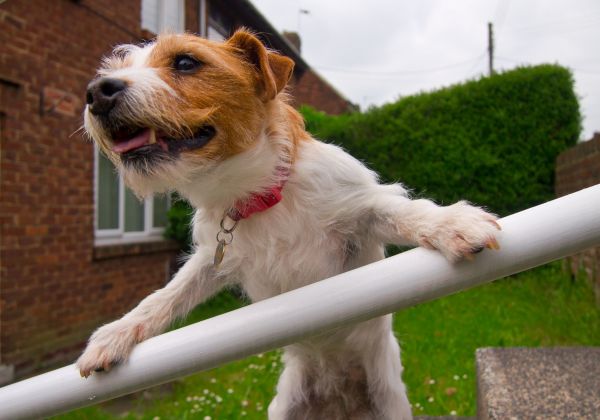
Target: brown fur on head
{"type": "Point", "coordinates": [229, 88]}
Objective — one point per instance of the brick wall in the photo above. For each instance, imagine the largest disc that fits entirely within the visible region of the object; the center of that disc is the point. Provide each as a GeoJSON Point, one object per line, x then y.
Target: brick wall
{"type": "Point", "coordinates": [310, 89]}
{"type": "Point", "coordinates": [55, 287]}
{"type": "Point", "coordinates": [578, 168]}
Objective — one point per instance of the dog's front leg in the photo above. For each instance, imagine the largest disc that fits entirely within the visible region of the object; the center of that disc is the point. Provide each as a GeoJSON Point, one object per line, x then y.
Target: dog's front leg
{"type": "Point", "coordinates": [195, 282]}
{"type": "Point", "coordinates": [457, 231]}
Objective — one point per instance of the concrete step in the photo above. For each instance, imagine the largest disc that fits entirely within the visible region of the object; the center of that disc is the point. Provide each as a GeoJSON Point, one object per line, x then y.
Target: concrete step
{"type": "Point", "coordinates": [538, 383]}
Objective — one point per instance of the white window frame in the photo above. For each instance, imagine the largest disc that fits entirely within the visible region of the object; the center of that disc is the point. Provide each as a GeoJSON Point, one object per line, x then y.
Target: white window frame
{"type": "Point", "coordinates": [119, 236]}
{"type": "Point", "coordinates": [162, 7]}
{"type": "Point", "coordinates": [202, 25]}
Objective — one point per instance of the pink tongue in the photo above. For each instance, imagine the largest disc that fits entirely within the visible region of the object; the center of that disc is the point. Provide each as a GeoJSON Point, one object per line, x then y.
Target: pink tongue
{"type": "Point", "coordinates": [138, 141]}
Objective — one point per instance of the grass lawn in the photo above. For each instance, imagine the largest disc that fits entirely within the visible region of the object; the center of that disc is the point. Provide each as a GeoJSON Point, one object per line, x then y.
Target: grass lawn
{"type": "Point", "coordinates": [542, 307]}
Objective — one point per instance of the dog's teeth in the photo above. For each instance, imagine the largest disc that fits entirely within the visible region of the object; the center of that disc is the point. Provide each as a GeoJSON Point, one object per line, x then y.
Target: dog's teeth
{"type": "Point", "coordinates": [152, 136]}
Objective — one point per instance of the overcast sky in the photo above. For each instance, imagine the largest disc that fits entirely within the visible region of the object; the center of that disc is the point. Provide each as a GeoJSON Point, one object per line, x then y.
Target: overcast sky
{"type": "Point", "coordinates": [376, 51]}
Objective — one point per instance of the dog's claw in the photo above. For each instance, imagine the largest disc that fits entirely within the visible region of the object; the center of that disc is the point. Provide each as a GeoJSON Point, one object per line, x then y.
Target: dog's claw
{"type": "Point", "coordinates": [493, 244]}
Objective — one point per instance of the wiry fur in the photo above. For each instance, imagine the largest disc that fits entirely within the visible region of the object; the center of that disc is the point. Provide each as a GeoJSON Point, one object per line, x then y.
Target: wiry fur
{"type": "Point", "coordinates": [334, 217]}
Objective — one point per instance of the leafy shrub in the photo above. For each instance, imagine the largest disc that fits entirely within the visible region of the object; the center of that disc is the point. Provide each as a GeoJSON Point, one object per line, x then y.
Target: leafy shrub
{"type": "Point", "coordinates": [178, 225]}
{"type": "Point", "coordinates": [492, 141]}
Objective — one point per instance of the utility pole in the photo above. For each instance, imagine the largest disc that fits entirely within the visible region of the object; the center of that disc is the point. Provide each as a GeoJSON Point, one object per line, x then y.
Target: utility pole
{"type": "Point", "coordinates": [491, 47]}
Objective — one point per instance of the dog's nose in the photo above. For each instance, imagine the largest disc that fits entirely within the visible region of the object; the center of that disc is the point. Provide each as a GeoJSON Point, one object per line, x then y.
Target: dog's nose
{"type": "Point", "coordinates": [102, 94]}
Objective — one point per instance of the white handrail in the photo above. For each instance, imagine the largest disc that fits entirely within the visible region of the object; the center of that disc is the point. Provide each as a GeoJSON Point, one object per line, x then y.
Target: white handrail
{"type": "Point", "coordinates": [533, 237]}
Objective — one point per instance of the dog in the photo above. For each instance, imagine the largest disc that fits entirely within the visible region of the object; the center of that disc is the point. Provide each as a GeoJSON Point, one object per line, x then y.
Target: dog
{"type": "Point", "coordinates": [275, 210]}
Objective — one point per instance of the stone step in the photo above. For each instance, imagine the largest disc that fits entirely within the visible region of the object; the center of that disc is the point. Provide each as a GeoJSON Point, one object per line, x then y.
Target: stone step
{"type": "Point", "coordinates": [538, 383]}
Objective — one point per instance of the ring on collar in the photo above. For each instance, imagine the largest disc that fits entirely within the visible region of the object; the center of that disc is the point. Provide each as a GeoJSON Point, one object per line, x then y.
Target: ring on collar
{"type": "Point", "coordinates": [222, 224]}
{"type": "Point", "coordinates": [224, 238]}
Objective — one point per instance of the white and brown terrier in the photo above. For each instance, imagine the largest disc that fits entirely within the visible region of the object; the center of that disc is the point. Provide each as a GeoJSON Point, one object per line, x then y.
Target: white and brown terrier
{"type": "Point", "coordinates": [210, 120]}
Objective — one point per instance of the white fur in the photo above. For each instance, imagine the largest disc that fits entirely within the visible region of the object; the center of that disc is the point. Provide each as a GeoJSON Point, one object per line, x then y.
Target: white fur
{"type": "Point", "coordinates": [142, 79]}
{"type": "Point", "coordinates": [334, 217]}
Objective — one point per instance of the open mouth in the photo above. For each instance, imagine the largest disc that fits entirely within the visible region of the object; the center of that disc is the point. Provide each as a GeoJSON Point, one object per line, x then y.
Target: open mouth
{"type": "Point", "coordinates": [131, 141]}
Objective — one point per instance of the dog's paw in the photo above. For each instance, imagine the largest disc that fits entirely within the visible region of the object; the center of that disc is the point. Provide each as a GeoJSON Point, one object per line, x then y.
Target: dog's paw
{"type": "Point", "coordinates": [110, 345]}
{"type": "Point", "coordinates": [460, 231]}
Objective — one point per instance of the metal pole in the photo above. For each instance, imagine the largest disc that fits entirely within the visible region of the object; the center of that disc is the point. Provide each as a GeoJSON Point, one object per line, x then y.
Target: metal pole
{"type": "Point", "coordinates": [491, 47]}
{"type": "Point", "coordinates": [530, 238]}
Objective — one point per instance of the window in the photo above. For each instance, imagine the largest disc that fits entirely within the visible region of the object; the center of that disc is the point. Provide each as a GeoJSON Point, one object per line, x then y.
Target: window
{"type": "Point", "coordinates": [163, 15]}
{"type": "Point", "coordinates": [214, 35]}
{"type": "Point", "coordinates": [219, 25]}
{"type": "Point", "coordinates": [120, 215]}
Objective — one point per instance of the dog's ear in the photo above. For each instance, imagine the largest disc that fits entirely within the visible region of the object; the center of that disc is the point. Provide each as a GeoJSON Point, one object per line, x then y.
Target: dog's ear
{"type": "Point", "coordinates": [273, 70]}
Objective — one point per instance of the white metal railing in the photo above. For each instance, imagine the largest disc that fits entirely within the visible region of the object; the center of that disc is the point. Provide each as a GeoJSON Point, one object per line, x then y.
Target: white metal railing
{"type": "Point", "coordinates": [533, 237]}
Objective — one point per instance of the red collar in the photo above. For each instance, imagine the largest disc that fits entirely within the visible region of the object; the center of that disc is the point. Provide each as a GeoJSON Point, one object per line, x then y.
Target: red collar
{"type": "Point", "coordinates": [258, 202]}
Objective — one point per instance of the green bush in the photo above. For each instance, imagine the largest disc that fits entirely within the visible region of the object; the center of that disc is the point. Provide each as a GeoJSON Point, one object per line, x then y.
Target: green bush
{"type": "Point", "coordinates": [493, 141]}
{"type": "Point", "coordinates": [178, 225]}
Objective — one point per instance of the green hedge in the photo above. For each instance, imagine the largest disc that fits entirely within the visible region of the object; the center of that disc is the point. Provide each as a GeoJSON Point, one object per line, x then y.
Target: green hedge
{"type": "Point", "coordinates": [492, 141]}
{"type": "Point", "coordinates": [179, 223]}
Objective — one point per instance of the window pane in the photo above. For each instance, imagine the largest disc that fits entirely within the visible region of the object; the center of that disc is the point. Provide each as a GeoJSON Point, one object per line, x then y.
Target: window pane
{"type": "Point", "coordinates": [174, 19]}
{"type": "Point", "coordinates": [214, 35]}
{"type": "Point", "coordinates": [163, 15]}
{"type": "Point", "coordinates": [150, 15]}
{"type": "Point", "coordinates": [219, 19]}
{"type": "Point", "coordinates": [108, 194]}
{"type": "Point", "coordinates": [161, 205]}
{"type": "Point", "coordinates": [134, 212]}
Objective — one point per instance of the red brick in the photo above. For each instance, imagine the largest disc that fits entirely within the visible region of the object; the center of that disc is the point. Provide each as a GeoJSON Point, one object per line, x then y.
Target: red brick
{"type": "Point", "coordinates": [578, 168]}
{"type": "Point", "coordinates": [311, 89]}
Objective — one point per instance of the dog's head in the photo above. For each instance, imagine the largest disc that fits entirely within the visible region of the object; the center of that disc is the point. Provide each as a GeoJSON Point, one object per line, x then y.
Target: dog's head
{"type": "Point", "coordinates": [181, 104]}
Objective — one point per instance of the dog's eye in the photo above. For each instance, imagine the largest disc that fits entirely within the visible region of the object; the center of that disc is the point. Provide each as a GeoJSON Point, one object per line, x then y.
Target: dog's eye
{"type": "Point", "coordinates": [186, 64]}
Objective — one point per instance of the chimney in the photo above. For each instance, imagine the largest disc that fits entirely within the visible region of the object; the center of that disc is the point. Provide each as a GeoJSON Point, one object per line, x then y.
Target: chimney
{"type": "Point", "coordinates": [294, 39]}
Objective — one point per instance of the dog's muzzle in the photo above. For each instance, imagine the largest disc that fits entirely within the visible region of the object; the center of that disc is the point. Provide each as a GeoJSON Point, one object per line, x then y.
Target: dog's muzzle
{"type": "Point", "coordinates": [136, 143]}
{"type": "Point", "coordinates": [103, 94]}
